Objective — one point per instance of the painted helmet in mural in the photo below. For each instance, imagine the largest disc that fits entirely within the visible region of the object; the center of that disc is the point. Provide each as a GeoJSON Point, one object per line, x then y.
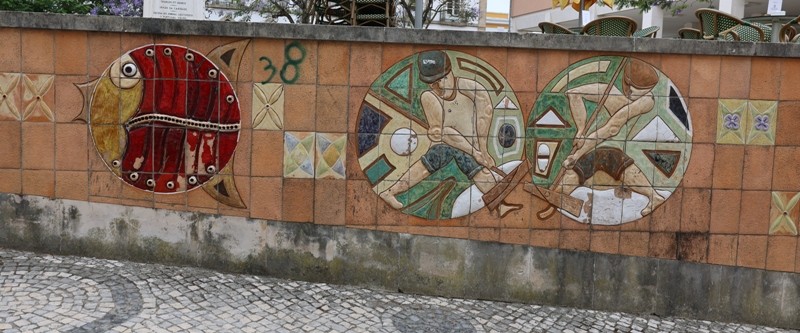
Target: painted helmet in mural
{"type": "Point", "coordinates": [433, 65]}
{"type": "Point", "coordinates": [638, 74]}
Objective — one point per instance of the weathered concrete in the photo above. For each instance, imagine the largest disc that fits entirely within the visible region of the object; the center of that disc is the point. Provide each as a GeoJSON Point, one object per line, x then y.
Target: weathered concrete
{"type": "Point", "coordinates": [412, 264]}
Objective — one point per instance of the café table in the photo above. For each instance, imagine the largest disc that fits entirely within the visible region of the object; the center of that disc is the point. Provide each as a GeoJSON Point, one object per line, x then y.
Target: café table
{"type": "Point", "coordinates": [775, 21]}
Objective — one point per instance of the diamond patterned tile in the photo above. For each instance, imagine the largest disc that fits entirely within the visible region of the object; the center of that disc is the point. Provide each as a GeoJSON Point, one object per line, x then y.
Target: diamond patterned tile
{"type": "Point", "coordinates": [298, 155]}
{"type": "Point", "coordinates": [330, 155]}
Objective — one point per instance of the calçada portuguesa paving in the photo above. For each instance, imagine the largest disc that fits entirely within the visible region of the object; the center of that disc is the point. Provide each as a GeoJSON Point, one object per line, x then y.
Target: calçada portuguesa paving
{"type": "Point", "coordinates": [46, 293]}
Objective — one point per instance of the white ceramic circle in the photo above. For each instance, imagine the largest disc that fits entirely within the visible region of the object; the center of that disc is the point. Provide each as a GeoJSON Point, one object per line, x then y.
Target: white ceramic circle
{"type": "Point", "coordinates": [404, 141]}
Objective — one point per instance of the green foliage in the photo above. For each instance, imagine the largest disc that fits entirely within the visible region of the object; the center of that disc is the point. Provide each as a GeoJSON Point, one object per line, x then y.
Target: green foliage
{"type": "Point", "coordinates": [48, 6]}
{"type": "Point", "coordinates": [674, 6]}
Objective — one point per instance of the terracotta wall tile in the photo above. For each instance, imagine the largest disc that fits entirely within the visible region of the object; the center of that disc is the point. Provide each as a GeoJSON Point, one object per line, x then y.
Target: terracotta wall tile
{"type": "Point", "coordinates": [551, 222]}
{"type": "Point", "coordinates": [300, 103]}
{"type": "Point", "coordinates": [10, 52]}
{"type": "Point", "coordinates": [722, 249]}
{"type": "Point", "coordinates": [333, 64]}
{"type": "Point", "coordinates": [354, 103]}
{"type": "Point", "coordinates": [365, 63]}
{"type": "Point", "coordinates": [267, 153]}
{"type": "Point", "coordinates": [545, 238]}
{"type": "Point", "coordinates": [693, 247]}
{"type": "Point", "coordinates": [495, 56]}
{"type": "Point", "coordinates": [788, 122]}
{"type": "Point", "coordinates": [523, 65]}
{"type": "Point", "coordinates": [68, 100]}
{"type": "Point", "coordinates": [37, 46]}
{"type": "Point", "coordinates": [454, 232]}
{"type": "Point", "coordinates": [201, 199]}
{"type": "Point", "coordinates": [790, 87]}
{"type": "Point", "coordinates": [667, 216]}
{"type": "Point", "coordinates": [103, 49]}
{"type": "Point", "coordinates": [484, 219]}
{"type": "Point", "coordinates": [307, 67]}
{"type": "Point", "coordinates": [331, 115]}
{"type": "Point", "coordinates": [131, 41]}
{"type": "Point", "coordinates": [72, 185]}
{"type": "Point", "coordinates": [425, 231]}
{"type": "Point", "coordinates": [392, 53]}
{"type": "Point", "coordinates": [243, 187]}
{"type": "Point", "coordinates": [734, 78]}
{"type": "Point", "coordinates": [785, 173]}
{"type": "Point", "coordinates": [71, 48]}
{"type": "Point", "coordinates": [393, 228]}
{"type": "Point", "coordinates": [696, 210]}
{"type": "Point", "coordinates": [298, 200]}
{"type": "Point", "coordinates": [329, 201]}
{"type": "Point", "coordinates": [754, 215]}
{"type": "Point", "coordinates": [704, 119]}
{"type": "Point", "coordinates": [678, 69]}
{"type": "Point", "coordinates": [663, 245]}
{"type": "Point", "coordinates": [105, 184]}
{"type": "Point", "coordinates": [12, 181]}
{"type": "Point", "coordinates": [634, 243]}
{"type": "Point", "coordinates": [781, 252]}
{"type": "Point", "coordinates": [242, 156]}
{"type": "Point", "coordinates": [71, 143]}
{"type": "Point", "coordinates": [361, 203]}
{"type": "Point", "coordinates": [353, 169]}
{"type": "Point", "coordinates": [550, 64]}
{"type": "Point", "coordinates": [38, 145]}
{"type": "Point", "coordinates": [38, 182]}
{"type": "Point", "coordinates": [520, 218]}
{"type": "Point", "coordinates": [698, 173]}
{"type": "Point", "coordinates": [575, 240]}
{"type": "Point", "coordinates": [605, 241]}
{"type": "Point", "coordinates": [728, 163]}
{"type": "Point", "coordinates": [484, 234]}
{"type": "Point", "coordinates": [642, 224]}
{"type": "Point", "coordinates": [269, 194]}
{"type": "Point", "coordinates": [725, 206]}
{"type": "Point", "coordinates": [268, 58]}
{"type": "Point", "coordinates": [756, 174]}
{"type": "Point", "coordinates": [752, 251]}
{"type": "Point", "coordinates": [705, 76]}
{"type": "Point", "coordinates": [515, 236]}
{"type": "Point", "coordinates": [387, 215]}
{"type": "Point", "coordinates": [764, 83]}
{"type": "Point", "coordinates": [10, 136]}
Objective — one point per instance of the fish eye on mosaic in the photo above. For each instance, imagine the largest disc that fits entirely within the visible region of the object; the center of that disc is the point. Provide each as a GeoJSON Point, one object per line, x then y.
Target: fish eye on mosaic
{"type": "Point", "coordinates": [440, 136]}
{"type": "Point", "coordinates": [166, 119]}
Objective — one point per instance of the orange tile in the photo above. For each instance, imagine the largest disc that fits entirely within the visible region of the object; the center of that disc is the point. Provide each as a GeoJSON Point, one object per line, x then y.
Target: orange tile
{"type": "Point", "coordinates": [298, 200]}
{"type": "Point", "coordinates": [789, 120]}
{"type": "Point", "coordinates": [68, 99]}
{"type": "Point", "coordinates": [104, 48]}
{"type": "Point", "coordinates": [71, 47]}
{"type": "Point", "coordinates": [71, 143]}
{"type": "Point", "coordinates": [515, 236]}
{"type": "Point", "coordinates": [667, 216]}
{"type": "Point", "coordinates": [365, 64]}
{"type": "Point", "coordinates": [72, 185]}
{"type": "Point", "coordinates": [392, 53]}
{"type": "Point", "coordinates": [37, 46]}
{"type": "Point", "coordinates": [722, 249]}
{"type": "Point", "coordinates": [200, 199]}
{"type": "Point", "coordinates": [497, 57]}
{"type": "Point", "coordinates": [267, 60]}
{"type": "Point", "coordinates": [307, 67]}
{"type": "Point", "coordinates": [575, 240]}
{"type": "Point", "coordinates": [704, 116]}
{"type": "Point", "coordinates": [663, 245]}
{"type": "Point", "coordinates": [752, 251]}
{"type": "Point", "coordinates": [551, 222]}
{"type": "Point", "coordinates": [781, 252]}
{"type": "Point", "coordinates": [705, 76]}
{"type": "Point", "coordinates": [361, 203]}
{"type": "Point", "coordinates": [105, 184]}
{"type": "Point", "coordinates": [10, 136]}
{"type": "Point", "coordinates": [545, 238]}
{"type": "Point", "coordinates": [130, 41]}
{"type": "Point", "coordinates": [698, 173]}
{"type": "Point", "coordinates": [523, 64]}
{"type": "Point", "coordinates": [693, 247]}
{"type": "Point", "coordinates": [333, 63]}
{"type": "Point", "coordinates": [244, 93]}
{"type": "Point", "coordinates": [484, 234]}
{"type": "Point", "coordinates": [675, 67]}
{"type": "Point", "coordinates": [696, 210]}
{"type": "Point", "coordinates": [790, 88]}
{"type": "Point", "coordinates": [12, 181]}
{"type": "Point", "coordinates": [353, 169]}
{"type": "Point", "coordinates": [243, 188]}
{"type": "Point", "coordinates": [754, 214]}
{"type": "Point", "coordinates": [764, 83]}
{"type": "Point", "coordinates": [728, 164]}
{"type": "Point", "coordinates": [242, 154]}
{"type": "Point", "coordinates": [634, 243]}
{"type": "Point", "coordinates": [454, 232]}
{"type": "Point", "coordinates": [725, 206]}
{"type": "Point", "coordinates": [425, 231]}
{"type": "Point", "coordinates": [387, 215]}
{"type": "Point", "coordinates": [331, 109]}
{"type": "Point", "coordinates": [462, 221]}
{"type": "Point", "coordinates": [736, 82]}
{"type": "Point", "coordinates": [785, 174]}
{"type": "Point", "coordinates": [329, 201]}
{"type": "Point", "coordinates": [642, 224]}
{"type": "Point", "coordinates": [10, 52]}
{"type": "Point", "coordinates": [605, 241]}
{"type": "Point", "coordinates": [393, 228]}
{"type": "Point", "coordinates": [757, 166]}
{"type": "Point", "coordinates": [484, 219]}
{"type": "Point", "coordinates": [38, 182]}
{"type": "Point", "coordinates": [300, 102]}
{"type": "Point", "coordinates": [550, 64]}
{"type": "Point", "coordinates": [267, 154]}
{"type": "Point", "coordinates": [38, 146]}
{"type": "Point", "coordinates": [267, 194]}
{"type": "Point", "coordinates": [355, 102]}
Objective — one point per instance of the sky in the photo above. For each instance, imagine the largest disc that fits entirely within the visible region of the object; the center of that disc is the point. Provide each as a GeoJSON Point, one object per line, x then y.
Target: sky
{"type": "Point", "coordinates": [497, 6]}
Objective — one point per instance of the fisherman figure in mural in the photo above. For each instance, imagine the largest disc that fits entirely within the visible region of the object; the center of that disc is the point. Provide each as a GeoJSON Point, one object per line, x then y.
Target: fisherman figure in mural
{"type": "Point", "coordinates": [586, 159]}
{"type": "Point", "coordinates": [459, 114]}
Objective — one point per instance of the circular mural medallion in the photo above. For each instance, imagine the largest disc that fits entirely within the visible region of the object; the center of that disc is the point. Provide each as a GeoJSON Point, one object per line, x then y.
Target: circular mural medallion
{"type": "Point", "coordinates": [437, 131]}
{"type": "Point", "coordinates": [610, 138]}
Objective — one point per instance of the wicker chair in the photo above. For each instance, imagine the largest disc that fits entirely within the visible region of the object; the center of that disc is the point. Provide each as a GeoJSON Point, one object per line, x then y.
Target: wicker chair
{"type": "Point", "coordinates": [690, 33]}
{"type": "Point", "coordinates": [788, 33]}
{"type": "Point", "coordinates": [552, 28]}
{"type": "Point", "coordinates": [650, 32]}
{"type": "Point", "coordinates": [610, 26]}
{"type": "Point", "coordinates": [721, 26]}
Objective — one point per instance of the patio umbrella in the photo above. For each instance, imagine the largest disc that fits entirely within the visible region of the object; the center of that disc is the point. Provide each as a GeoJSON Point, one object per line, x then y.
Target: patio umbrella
{"type": "Point", "coordinates": [578, 4]}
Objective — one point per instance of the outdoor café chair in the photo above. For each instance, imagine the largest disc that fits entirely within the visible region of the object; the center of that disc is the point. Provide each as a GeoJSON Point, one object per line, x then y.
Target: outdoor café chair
{"type": "Point", "coordinates": [788, 33]}
{"type": "Point", "coordinates": [553, 28]}
{"type": "Point", "coordinates": [721, 26]}
{"type": "Point", "coordinates": [647, 32]}
{"type": "Point", "coordinates": [610, 26]}
{"type": "Point", "coordinates": [690, 33]}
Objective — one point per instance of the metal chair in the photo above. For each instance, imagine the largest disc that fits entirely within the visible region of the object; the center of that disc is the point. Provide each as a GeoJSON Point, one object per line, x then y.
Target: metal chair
{"type": "Point", "coordinates": [610, 26]}
{"type": "Point", "coordinates": [690, 33]}
{"type": "Point", "coordinates": [647, 32]}
{"type": "Point", "coordinates": [552, 28]}
{"type": "Point", "coordinates": [717, 25]}
{"type": "Point", "coordinates": [788, 34]}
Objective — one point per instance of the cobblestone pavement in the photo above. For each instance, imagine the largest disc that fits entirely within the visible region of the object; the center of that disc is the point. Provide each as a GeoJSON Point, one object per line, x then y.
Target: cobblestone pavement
{"type": "Point", "coordinates": [44, 293]}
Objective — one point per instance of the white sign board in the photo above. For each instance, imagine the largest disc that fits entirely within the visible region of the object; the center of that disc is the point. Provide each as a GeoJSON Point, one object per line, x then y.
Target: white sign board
{"type": "Point", "coordinates": [774, 7]}
{"type": "Point", "coordinates": [175, 9]}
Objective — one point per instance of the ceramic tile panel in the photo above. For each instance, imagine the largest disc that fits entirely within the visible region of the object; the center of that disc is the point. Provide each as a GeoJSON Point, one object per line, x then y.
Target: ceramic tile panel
{"type": "Point", "coordinates": [268, 106]}
{"type": "Point", "coordinates": [35, 88]}
{"type": "Point", "coordinates": [751, 122]}
{"type": "Point", "coordinates": [784, 213]}
{"type": "Point", "coordinates": [330, 155]}
{"type": "Point", "coordinates": [8, 96]}
{"type": "Point", "coordinates": [299, 154]}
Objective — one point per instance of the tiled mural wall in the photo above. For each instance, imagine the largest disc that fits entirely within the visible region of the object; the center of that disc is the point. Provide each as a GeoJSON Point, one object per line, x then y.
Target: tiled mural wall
{"type": "Point", "coordinates": [655, 155]}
